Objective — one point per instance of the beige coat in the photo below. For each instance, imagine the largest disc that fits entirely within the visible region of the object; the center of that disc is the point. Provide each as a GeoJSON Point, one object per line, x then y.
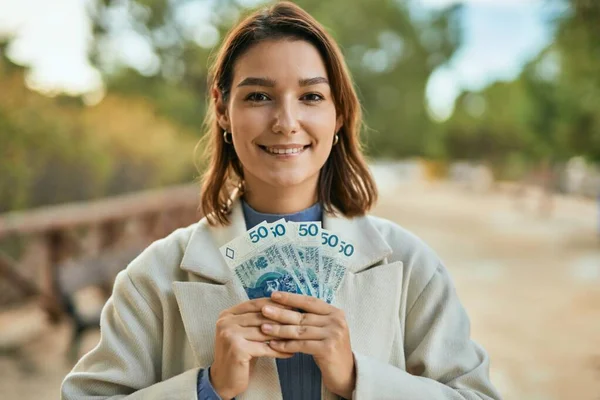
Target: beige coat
{"type": "Point", "coordinates": [409, 332]}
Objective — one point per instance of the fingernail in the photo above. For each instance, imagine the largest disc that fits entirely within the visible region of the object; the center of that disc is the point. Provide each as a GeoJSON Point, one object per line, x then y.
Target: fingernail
{"type": "Point", "coordinates": [269, 310]}
{"type": "Point", "coordinates": [267, 327]}
{"type": "Point", "coordinates": [276, 295]}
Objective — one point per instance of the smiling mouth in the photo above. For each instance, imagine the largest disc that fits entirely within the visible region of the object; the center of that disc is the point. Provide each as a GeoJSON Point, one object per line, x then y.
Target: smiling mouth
{"type": "Point", "coordinates": [284, 152]}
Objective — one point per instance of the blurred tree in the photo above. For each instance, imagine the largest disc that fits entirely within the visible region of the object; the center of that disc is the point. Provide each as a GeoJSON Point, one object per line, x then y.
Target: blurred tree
{"type": "Point", "coordinates": [578, 80]}
{"type": "Point", "coordinates": [55, 150]}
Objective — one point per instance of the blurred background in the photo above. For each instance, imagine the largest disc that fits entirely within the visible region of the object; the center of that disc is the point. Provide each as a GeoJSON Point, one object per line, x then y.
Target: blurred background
{"type": "Point", "coordinates": [483, 122]}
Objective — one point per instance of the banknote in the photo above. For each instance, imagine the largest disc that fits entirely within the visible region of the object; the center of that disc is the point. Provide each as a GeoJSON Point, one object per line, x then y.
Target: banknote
{"type": "Point", "coordinates": [259, 263]}
{"type": "Point", "coordinates": [336, 254]}
{"type": "Point", "coordinates": [295, 257]}
{"type": "Point", "coordinates": [306, 237]}
{"type": "Point", "coordinates": [284, 240]}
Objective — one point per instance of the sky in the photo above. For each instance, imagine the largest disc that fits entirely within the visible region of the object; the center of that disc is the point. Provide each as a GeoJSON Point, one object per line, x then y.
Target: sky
{"type": "Point", "coordinates": [500, 36]}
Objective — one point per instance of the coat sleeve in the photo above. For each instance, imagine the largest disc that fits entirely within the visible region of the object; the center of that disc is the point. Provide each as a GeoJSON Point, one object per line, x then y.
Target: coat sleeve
{"type": "Point", "coordinates": [126, 364]}
{"type": "Point", "coordinates": [443, 362]}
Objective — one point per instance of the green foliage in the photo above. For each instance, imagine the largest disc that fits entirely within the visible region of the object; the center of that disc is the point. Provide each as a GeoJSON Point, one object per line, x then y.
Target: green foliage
{"type": "Point", "coordinates": [57, 150]}
{"type": "Point", "coordinates": [578, 46]}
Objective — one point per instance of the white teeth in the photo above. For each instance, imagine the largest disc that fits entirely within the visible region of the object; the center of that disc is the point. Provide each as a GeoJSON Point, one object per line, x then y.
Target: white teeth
{"type": "Point", "coordinates": [284, 151]}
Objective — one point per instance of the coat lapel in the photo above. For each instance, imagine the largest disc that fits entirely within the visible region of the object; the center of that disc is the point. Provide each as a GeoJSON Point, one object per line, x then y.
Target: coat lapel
{"type": "Point", "coordinates": [202, 256]}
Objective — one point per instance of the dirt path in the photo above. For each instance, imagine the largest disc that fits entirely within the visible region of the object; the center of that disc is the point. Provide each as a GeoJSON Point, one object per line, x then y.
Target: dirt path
{"type": "Point", "coordinates": [530, 286]}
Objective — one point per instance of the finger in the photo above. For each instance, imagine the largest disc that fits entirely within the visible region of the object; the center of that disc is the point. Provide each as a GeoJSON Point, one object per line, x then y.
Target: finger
{"type": "Point", "coordinates": [258, 349]}
{"type": "Point", "coordinates": [299, 332]}
{"type": "Point", "coordinates": [289, 317]}
{"type": "Point", "coordinates": [253, 306]}
{"type": "Point", "coordinates": [254, 334]}
{"type": "Point", "coordinates": [313, 347]}
{"type": "Point", "coordinates": [306, 303]}
{"type": "Point", "coordinates": [250, 319]}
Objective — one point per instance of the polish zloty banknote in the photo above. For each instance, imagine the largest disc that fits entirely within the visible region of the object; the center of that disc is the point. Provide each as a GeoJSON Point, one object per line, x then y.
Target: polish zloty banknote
{"type": "Point", "coordinates": [285, 241]}
{"type": "Point", "coordinates": [259, 264]}
{"type": "Point", "coordinates": [336, 254]}
{"type": "Point", "coordinates": [306, 237]}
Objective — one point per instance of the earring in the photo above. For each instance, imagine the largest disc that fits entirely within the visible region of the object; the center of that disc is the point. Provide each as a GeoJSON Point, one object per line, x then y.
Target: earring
{"type": "Point", "coordinates": [225, 138]}
{"type": "Point", "coordinates": [336, 139]}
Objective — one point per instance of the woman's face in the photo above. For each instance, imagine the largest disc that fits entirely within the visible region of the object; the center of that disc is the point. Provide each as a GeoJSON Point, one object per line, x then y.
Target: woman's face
{"type": "Point", "coordinates": [281, 114]}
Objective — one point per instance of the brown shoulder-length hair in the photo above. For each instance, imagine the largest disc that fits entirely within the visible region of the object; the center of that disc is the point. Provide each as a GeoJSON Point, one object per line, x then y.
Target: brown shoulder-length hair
{"type": "Point", "coordinates": [344, 181]}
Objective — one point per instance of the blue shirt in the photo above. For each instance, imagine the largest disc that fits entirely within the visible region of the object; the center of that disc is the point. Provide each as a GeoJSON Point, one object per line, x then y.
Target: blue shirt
{"type": "Point", "coordinates": [299, 376]}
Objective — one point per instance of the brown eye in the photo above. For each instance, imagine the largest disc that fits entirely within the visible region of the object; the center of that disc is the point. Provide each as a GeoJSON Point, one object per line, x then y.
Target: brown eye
{"type": "Point", "coordinates": [257, 97]}
{"type": "Point", "coordinates": [313, 97]}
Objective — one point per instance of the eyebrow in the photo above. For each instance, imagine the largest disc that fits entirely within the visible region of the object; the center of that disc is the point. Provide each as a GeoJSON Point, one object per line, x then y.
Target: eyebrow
{"type": "Point", "coordinates": [252, 81]}
{"type": "Point", "coordinates": [313, 81]}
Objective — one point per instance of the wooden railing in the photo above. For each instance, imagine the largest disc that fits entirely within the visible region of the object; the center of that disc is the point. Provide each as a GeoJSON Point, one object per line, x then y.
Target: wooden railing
{"type": "Point", "coordinates": [36, 244]}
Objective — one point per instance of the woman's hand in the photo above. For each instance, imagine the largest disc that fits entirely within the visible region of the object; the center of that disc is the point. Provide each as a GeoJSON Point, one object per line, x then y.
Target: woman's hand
{"type": "Point", "coordinates": [321, 331]}
{"type": "Point", "coordinates": [238, 341]}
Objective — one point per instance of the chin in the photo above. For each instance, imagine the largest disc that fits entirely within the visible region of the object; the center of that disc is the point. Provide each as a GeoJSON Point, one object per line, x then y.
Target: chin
{"type": "Point", "coordinates": [285, 183]}
{"type": "Point", "coordinates": [289, 180]}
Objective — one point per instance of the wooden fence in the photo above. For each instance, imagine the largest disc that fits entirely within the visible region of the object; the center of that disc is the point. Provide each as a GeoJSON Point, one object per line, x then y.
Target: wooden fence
{"type": "Point", "coordinates": [37, 246]}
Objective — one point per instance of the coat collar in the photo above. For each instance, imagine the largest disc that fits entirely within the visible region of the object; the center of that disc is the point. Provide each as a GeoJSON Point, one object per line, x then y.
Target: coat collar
{"type": "Point", "coordinates": [202, 255]}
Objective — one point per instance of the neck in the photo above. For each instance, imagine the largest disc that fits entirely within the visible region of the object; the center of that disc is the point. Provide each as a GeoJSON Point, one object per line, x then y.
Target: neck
{"type": "Point", "coordinates": [278, 200]}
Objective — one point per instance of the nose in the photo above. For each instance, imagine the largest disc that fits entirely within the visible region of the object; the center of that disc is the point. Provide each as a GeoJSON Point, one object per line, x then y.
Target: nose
{"type": "Point", "coordinates": [286, 118]}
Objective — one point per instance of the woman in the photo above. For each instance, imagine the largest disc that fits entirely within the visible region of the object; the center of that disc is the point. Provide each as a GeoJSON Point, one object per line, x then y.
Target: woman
{"type": "Point", "coordinates": [284, 125]}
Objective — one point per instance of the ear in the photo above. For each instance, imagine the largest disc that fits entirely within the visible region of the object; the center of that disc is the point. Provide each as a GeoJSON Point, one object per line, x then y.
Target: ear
{"type": "Point", "coordinates": [221, 109]}
{"type": "Point", "coordinates": [339, 122]}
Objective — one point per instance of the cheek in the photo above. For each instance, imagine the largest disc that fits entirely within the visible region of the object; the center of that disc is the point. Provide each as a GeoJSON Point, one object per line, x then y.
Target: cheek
{"type": "Point", "coordinates": [321, 125]}
{"type": "Point", "coordinates": [249, 123]}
